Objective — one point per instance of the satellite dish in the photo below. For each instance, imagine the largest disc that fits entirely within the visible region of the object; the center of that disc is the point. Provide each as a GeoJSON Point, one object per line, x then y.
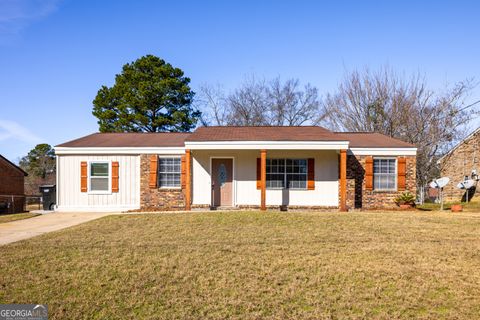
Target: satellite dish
{"type": "Point", "coordinates": [439, 183]}
{"type": "Point", "coordinates": [467, 184]}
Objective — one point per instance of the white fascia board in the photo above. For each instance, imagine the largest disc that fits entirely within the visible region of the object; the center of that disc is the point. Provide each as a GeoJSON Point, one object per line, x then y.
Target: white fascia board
{"type": "Point", "coordinates": [267, 145]}
{"type": "Point", "coordinates": [383, 151]}
{"type": "Point", "coordinates": [120, 150]}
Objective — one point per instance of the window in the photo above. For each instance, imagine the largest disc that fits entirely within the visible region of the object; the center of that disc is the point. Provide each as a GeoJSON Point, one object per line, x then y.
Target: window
{"type": "Point", "coordinates": [275, 173]}
{"type": "Point", "coordinates": [169, 172]}
{"type": "Point", "coordinates": [384, 174]}
{"type": "Point", "coordinates": [287, 173]}
{"type": "Point", "coordinates": [99, 176]}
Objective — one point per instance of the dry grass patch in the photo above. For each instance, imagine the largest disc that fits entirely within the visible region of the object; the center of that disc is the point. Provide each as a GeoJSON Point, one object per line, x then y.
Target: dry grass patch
{"type": "Point", "coordinates": [16, 216]}
{"type": "Point", "coordinates": [250, 265]}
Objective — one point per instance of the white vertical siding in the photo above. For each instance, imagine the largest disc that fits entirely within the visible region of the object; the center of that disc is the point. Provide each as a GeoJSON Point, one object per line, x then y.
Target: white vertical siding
{"type": "Point", "coordinates": [68, 185]}
{"type": "Point", "coordinates": [245, 171]}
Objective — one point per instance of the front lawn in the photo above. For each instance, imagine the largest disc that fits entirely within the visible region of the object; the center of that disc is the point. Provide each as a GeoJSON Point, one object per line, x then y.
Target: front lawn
{"type": "Point", "coordinates": [251, 265]}
{"type": "Point", "coordinates": [16, 216]}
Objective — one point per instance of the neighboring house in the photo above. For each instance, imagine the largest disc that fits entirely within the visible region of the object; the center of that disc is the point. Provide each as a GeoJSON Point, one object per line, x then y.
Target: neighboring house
{"type": "Point", "coordinates": [12, 179]}
{"type": "Point", "coordinates": [458, 163]}
{"type": "Point", "coordinates": [242, 167]}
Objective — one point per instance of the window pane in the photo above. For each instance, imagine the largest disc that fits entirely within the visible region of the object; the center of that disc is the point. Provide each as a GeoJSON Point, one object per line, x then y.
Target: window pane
{"type": "Point", "coordinates": [384, 176]}
{"type": "Point", "coordinates": [169, 172]}
{"type": "Point", "coordinates": [99, 169]}
{"type": "Point", "coordinates": [296, 181]}
{"type": "Point", "coordinates": [99, 184]}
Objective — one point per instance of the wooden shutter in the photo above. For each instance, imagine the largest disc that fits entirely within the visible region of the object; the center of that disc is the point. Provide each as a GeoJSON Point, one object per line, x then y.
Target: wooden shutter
{"type": "Point", "coordinates": [369, 173]}
{"type": "Point", "coordinates": [83, 176]}
{"type": "Point", "coordinates": [311, 174]}
{"type": "Point", "coordinates": [401, 173]}
{"type": "Point", "coordinates": [153, 171]}
{"type": "Point", "coordinates": [259, 174]}
{"type": "Point", "coordinates": [114, 176]}
{"type": "Point", "coordinates": [183, 177]}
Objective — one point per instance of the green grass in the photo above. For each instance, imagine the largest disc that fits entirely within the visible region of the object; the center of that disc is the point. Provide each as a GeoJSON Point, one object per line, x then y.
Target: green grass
{"type": "Point", "coordinates": [473, 206]}
{"type": "Point", "coordinates": [252, 265]}
{"type": "Point", "coordinates": [16, 216]}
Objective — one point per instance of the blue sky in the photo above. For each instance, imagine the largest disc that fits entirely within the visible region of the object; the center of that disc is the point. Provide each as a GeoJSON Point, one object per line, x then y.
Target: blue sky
{"type": "Point", "coordinates": [55, 55]}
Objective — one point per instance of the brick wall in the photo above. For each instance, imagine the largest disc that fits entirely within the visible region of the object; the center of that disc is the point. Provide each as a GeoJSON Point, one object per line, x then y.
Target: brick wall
{"type": "Point", "coordinates": [357, 195]}
{"type": "Point", "coordinates": [459, 163]}
{"type": "Point", "coordinates": [157, 199]}
{"type": "Point", "coordinates": [12, 183]}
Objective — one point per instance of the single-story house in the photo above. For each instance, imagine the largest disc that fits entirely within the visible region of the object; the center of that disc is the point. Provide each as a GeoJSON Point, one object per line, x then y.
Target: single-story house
{"type": "Point", "coordinates": [240, 167]}
{"type": "Point", "coordinates": [460, 163]}
{"type": "Point", "coordinates": [12, 181]}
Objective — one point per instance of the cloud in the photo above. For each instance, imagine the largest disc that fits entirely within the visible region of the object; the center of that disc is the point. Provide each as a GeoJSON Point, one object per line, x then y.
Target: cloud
{"type": "Point", "coordinates": [15, 15]}
{"type": "Point", "coordinates": [11, 130]}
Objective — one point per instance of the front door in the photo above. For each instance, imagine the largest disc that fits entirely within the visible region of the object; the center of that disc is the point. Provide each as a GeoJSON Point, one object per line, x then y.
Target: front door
{"type": "Point", "coordinates": [222, 182]}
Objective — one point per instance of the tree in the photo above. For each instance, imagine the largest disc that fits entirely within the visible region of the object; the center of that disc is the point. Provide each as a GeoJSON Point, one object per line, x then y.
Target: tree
{"type": "Point", "coordinates": [402, 108]}
{"type": "Point", "coordinates": [149, 95]}
{"type": "Point", "coordinates": [40, 165]}
{"type": "Point", "coordinates": [259, 102]}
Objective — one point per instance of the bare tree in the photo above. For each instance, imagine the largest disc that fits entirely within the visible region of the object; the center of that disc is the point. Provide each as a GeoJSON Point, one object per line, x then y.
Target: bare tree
{"type": "Point", "coordinates": [260, 102]}
{"type": "Point", "coordinates": [402, 108]}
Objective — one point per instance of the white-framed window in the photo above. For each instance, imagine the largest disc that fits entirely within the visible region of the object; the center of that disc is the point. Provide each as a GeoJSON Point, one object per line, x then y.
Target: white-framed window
{"type": "Point", "coordinates": [99, 176]}
{"type": "Point", "coordinates": [169, 172]}
{"type": "Point", "coordinates": [384, 174]}
{"type": "Point", "coordinates": [287, 173]}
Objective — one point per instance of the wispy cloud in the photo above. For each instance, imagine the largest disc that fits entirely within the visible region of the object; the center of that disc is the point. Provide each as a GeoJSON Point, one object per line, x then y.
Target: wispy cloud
{"type": "Point", "coordinates": [11, 130]}
{"type": "Point", "coordinates": [15, 15]}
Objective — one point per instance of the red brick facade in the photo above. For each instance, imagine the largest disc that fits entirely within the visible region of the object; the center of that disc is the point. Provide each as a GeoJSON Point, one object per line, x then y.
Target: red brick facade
{"type": "Point", "coordinates": [358, 197]}
{"type": "Point", "coordinates": [157, 199]}
{"type": "Point", "coordinates": [459, 163]}
{"type": "Point", "coordinates": [11, 187]}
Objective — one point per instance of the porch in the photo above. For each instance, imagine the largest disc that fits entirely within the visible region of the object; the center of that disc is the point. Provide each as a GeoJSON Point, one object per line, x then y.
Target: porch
{"type": "Point", "coordinates": [261, 178]}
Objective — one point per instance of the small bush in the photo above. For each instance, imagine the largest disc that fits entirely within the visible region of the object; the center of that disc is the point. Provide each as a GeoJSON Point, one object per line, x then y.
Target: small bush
{"type": "Point", "coordinates": [405, 198]}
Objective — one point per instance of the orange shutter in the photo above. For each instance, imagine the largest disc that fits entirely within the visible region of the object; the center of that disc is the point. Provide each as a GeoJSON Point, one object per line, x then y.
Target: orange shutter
{"type": "Point", "coordinates": [311, 174]}
{"type": "Point", "coordinates": [369, 173]}
{"type": "Point", "coordinates": [259, 174]}
{"type": "Point", "coordinates": [83, 176]}
{"type": "Point", "coordinates": [153, 171]}
{"type": "Point", "coordinates": [114, 176]}
{"type": "Point", "coordinates": [401, 173]}
{"type": "Point", "coordinates": [183, 172]}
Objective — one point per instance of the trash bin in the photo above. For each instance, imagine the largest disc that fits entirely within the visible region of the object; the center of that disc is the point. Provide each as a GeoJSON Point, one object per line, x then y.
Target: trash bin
{"type": "Point", "coordinates": [49, 196]}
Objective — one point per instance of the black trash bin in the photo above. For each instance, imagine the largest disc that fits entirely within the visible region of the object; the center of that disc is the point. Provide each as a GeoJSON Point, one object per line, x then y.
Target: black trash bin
{"type": "Point", "coordinates": [49, 196]}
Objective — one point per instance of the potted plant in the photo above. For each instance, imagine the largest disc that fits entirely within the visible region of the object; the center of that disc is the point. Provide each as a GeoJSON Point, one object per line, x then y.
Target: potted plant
{"type": "Point", "coordinates": [405, 201]}
{"type": "Point", "coordinates": [456, 208]}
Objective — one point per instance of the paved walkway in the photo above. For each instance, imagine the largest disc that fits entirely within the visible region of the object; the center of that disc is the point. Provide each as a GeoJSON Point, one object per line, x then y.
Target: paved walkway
{"type": "Point", "coordinates": [28, 228]}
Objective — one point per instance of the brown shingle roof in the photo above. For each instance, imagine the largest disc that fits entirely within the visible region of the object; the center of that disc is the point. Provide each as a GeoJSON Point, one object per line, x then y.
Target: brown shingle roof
{"type": "Point", "coordinates": [373, 140]}
{"type": "Point", "coordinates": [131, 139]}
{"type": "Point", "coordinates": [264, 133]}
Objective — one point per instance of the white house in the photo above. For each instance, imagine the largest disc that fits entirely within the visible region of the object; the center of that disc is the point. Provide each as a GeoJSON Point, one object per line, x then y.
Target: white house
{"type": "Point", "coordinates": [241, 167]}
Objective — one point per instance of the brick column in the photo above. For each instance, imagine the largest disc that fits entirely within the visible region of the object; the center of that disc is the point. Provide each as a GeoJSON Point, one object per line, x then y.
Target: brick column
{"type": "Point", "coordinates": [343, 180]}
{"type": "Point", "coordinates": [188, 180]}
{"type": "Point", "coordinates": [263, 179]}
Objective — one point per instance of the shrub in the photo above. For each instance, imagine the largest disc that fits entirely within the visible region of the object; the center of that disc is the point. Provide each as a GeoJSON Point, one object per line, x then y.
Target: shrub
{"type": "Point", "coordinates": [405, 198]}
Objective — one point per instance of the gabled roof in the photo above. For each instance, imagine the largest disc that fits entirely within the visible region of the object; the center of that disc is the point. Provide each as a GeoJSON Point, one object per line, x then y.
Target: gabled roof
{"type": "Point", "coordinates": [263, 133]}
{"type": "Point", "coordinates": [459, 144]}
{"type": "Point", "coordinates": [373, 140]}
{"type": "Point", "coordinates": [14, 165]}
{"type": "Point", "coordinates": [130, 139]}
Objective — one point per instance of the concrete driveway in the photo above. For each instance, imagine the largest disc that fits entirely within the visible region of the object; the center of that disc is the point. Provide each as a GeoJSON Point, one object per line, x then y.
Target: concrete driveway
{"type": "Point", "coordinates": [28, 228]}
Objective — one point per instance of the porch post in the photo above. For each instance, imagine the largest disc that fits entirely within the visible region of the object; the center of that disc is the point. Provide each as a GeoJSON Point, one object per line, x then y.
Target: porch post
{"type": "Point", "coordinates": [188, 180]}
{"type": "Point", "coordinates": [343, 180]}
{"type": "Point", "coordinates": [263, 179]}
